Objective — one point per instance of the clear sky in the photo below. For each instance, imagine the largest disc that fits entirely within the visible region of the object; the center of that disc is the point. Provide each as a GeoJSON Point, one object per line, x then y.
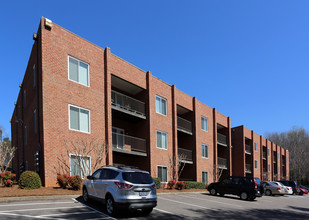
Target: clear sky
{"type": "Point", "coordinates": [249, 59]}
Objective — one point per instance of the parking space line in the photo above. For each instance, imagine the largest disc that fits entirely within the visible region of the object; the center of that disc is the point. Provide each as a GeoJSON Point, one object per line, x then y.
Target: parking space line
{"type": "Point", "coordinates": [212, 201]}
{"type": "Point", "coordinates": [25, 204]}
{"type": "Point", "coordinates": [186, 203]}
{"type": "Point", "coordinates": [160, 210]}
{"type": "Point", "coordinates": [25, 210]}
{"type": "Point", "coordinates": [94, 209]}
{"type": "Point", "coordinates": [28, 216]}
{"type": "Point", "coordinates": [59, 214]}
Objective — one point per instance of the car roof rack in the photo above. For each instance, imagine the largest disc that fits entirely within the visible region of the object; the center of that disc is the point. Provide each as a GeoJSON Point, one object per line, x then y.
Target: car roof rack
{"type": "Point", "coordinates": [122, 167]}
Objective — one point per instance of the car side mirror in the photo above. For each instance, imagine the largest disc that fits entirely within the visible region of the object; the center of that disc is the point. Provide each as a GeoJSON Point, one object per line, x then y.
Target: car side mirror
{"type": "Point", "coordinates": [90, 177]}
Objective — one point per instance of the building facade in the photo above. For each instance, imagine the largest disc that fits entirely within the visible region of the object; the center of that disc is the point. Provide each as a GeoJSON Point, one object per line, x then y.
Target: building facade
{"type": "Point", "coordinates": [75, 93]}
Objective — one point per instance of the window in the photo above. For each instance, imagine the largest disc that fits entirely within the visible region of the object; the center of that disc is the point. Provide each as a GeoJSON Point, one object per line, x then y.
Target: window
{"type": "Point", "coordinates": [160, 105]}
{"type": "Point", "coordinates": [25, 96]}
{"type": "Point", "coordinates": [118, 138]}
{"type": "Point", "coordinates": [204, 124]}
{"type": "Point", "coordinates": [268, 152]}
{"type": "Point", "coordinates": [78, 71]}
{"type": "Point", "coordinates": [255, 164]}
{"type": "Point", "coordinates": [80, 165]}
{"type": "Point", "coordinates": [205, 177]}
{"type": "Point", "coordinates": [34, 121]}
{"type": "Point", "coordinates": [161, 140]}
{"type": "Point", "coordinates": [79, 119]}
{"type": "Point", "coordinates": [107, 174]}
{"type": "Point", "coordinates": [268, 167]}
{"type": "Point", "coordinates": [204, 151]}
{"type": "Point", "coordinates": [25, 135]}
{"type": "Point", "coordinates": [162, 173]}
{"type": "Point", "coordinates": [33, 76]}
{"type": "Point", "coordinates": [255, 146]}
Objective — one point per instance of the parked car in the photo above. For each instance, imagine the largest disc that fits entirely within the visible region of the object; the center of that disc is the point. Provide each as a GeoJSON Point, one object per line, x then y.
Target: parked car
{"type": "Point", "coordinates": [288, 189]}
{"type": "Point", "coordinates": [304, 187]}
{"type": "Point", "coordinates": [292, 184]}
{"type": "Point", "coordinates": [121, 188]}
{"type": "Point", "coordinates": [273, 189]}
{"type": "Point", "coordinates": [259, 185]}
{"type": "Point", "coordinates": [245, 187]}
{"type": "Point", "coordinates": [304, 191]}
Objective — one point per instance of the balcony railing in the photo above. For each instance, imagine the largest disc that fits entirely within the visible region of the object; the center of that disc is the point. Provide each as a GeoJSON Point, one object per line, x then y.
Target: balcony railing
{"type": "Point", "coordinates": [222, 163]}
{"type": "Point", "coordinates": [264, 155]}
{"type": "Point", "coordinates": [184, 154]}
{"type": "Point", "coordinates": [128, 144]}
{"type": "Point", "coordinates": [248, 149]}
{"type": "Point", "coordinates": [128, 104]}
{"type": "Point", "coordinates": [184, 125]}
{"type": "Point", "coordinates": [248, 168]}
{"type": "Point", "coordinates": [221, 139]}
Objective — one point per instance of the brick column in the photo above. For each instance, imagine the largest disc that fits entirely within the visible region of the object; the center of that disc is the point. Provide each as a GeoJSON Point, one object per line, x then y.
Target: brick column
{"type": "Point", "coordinates": [174, 128]}
{"type": "Point", "coordinates": [215, 144]}
{"type": "Point", "coordinates": [149, 108]}
{"type": "Point", "coordinates": [229, 145]}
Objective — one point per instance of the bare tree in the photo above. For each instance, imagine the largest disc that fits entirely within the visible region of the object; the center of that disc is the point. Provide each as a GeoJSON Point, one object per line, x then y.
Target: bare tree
{"type": "Point", "coordinates": [177, 163]}
{"type": "Point", "coordinates": [7, 153]}
{"type": "Point", "coordinates": [81, 150]}
{"type": "Point", "coordinates": [217, 172]}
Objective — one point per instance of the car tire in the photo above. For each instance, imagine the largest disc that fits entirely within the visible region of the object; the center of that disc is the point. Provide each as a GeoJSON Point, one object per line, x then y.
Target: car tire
{"type": "Point", "coordinates": [213, 192]}
{"type": "Point", "coordinates": [244, 196]}
{"type": "Point", "coordinates": [268, 193]}
{"type": "Point", "coordinates": [147, 211]}
{"type": "Point", "coordinates": [85, 195]}
{"type": "Point", "coordinates": [110, 206]}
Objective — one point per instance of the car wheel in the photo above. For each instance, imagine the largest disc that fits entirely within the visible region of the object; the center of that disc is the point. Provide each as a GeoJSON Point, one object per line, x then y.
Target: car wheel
{"type": "Point", "coordinates": [147, 211]}
{"type": "Point", "coordinates": [110, 206]}
{"type": "Point", "coordinates": [221, 194]}
{"type": "Point", "coordinates": [244, 196]}
{"type": "Point", "coordinates": [213, 192]}
{"type": "Point", "coordinates": [85, 195]}
{"type": "Point", "coordinates": [268, 192]}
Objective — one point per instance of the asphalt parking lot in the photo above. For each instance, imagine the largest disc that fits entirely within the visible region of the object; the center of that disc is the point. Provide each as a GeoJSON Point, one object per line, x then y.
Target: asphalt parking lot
{"type": "Point", "coordinates": [170, 206]}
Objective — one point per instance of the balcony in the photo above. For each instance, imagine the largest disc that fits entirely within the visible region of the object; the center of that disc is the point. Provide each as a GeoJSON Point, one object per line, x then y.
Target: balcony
{"type": "Point", "coordinates": [184, 125]}
{"type": "Point", "coordinates": [248, 168]}
{"type": "Point", "coordinates": [264, 155]}
{"type": "Point", "coordinates": [222, 163]}
{"type": "Point", "coordinates": [128, 105]}
{"type": "Point", "coordinates": [185, 156]}
{"type": "Point", "coordinates": [221, 140]}
{"type": "Point", "coordinates": [129, 145]}
{"type": "Point", "coordinates": [248, 149]}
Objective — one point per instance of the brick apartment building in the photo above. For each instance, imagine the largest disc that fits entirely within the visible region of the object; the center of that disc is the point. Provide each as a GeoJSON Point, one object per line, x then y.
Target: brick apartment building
{"type": "Point", "coordinates": [75, 90]}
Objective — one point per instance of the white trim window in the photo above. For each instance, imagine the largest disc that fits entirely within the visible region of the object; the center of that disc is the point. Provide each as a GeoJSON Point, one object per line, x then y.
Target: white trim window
{"type": "Point", "coordinates": [161, 140]}
{"type": "Point", "coordinates": [268, 152]}
{"type": "Point", "coordinates": [204, 151]}
{"type": "Point", "coordinates": [162, 173]}
{"type": "Point", "coordinates": [160, 105]}
{"type": "Point", "coordinates": [255, 164]}
{"type": "Point", "coordinates": [80, 165]}
{"type": "Point", "coordinates": [34, 122]}
{"type": "Point", "coordinates": [204, 123]}
{"type": "Point", "coordinates": [268, 167]}
{"type": "Point", "coordinates": [205, 177]}
{"type": "Point", "coordinates": [78, 71]}
{"type": "Point", "coordinates": [79, 119]}
{"type": "Point", "coordinates": [255, 146]}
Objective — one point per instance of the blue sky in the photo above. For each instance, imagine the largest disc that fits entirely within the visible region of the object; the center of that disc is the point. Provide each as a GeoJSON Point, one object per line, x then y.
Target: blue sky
{"type": "Point", "coordinates": [249, 59]}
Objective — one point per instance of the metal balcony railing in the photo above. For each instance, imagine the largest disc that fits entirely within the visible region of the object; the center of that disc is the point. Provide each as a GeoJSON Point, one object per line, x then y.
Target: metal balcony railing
{"type": "Point", "coordinates": [222, 163]}
{"type": "Point", "coordinates": [127, 143]}
{"type": "Point", "coordinates": [221, 139]}
{"type": "Point", "coordinates": [185, 154]}
{"type": "Point", "coordinates": [128, 104]}
{"type": "Point", "coordinates": [248, 168]}
{"type": "Point", "coordinates": [264, 155]}
{"type": "Point", "coordinates": [248, 149]}
{"type": "Point", "coordinates": [184, 125]}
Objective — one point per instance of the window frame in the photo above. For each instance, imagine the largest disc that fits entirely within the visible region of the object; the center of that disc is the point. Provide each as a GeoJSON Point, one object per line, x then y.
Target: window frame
{"type": "Point", "coordinates": [79, 155]}
{"type": "Point", "coordinates": [207, 177]}
{"type": "Point", "coordinates": [205, 118]}
{"type": "Point", "coordinates": [256, 148]}
{"type": "Point", "coordinates": [166, 172]}
{"type": "Point", "coordinates": [161, 98]}
{"type": "Point", "coordinates": [256, 165]}
{"type": "Point", "coordinates": [79, 61]}
{"type": "Point", "coordinates": [123, 138]}
{"type": "Point", "coordinates": [69, 105]}
{"type": "Point", "coordinates": [161, 140]}
{"type": "Point", "coordinates": [206, 151]}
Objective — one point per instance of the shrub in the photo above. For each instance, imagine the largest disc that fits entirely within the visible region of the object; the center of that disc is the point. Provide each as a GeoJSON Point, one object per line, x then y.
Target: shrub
{"type": "Point", "coordinates": [29, 180]}
{"type": "Point", "coordinates": [75, 182]}
{"type": "Point", "coordinates": [9, 183]}
{"type": "Point", "coordinates": [8, 176]}
{"type": "Point", "coordinates": [195, 185]}
{"type": "Point", "coordinates": [157, 182]}
{"type": "Point", "coordinates": [180, 185]}
{"type": "Point", "coordinates": [170, 184]}
{"type": "Point", "coordinates": [63, 180]}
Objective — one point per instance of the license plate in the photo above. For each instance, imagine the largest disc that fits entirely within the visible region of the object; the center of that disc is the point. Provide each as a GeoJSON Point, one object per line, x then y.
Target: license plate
{"type": "Point", "coordinates": [143, 193]}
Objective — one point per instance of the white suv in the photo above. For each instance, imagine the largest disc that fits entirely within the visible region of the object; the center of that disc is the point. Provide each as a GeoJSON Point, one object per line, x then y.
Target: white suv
{"type": "Point", "coordinates": [121, 188]}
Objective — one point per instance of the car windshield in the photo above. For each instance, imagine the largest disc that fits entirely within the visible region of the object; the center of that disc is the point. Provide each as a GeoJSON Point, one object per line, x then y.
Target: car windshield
{"type": "Point", "coordinates": [137, 177]}
{"type": "Point", "coordinates": [273, 184]}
